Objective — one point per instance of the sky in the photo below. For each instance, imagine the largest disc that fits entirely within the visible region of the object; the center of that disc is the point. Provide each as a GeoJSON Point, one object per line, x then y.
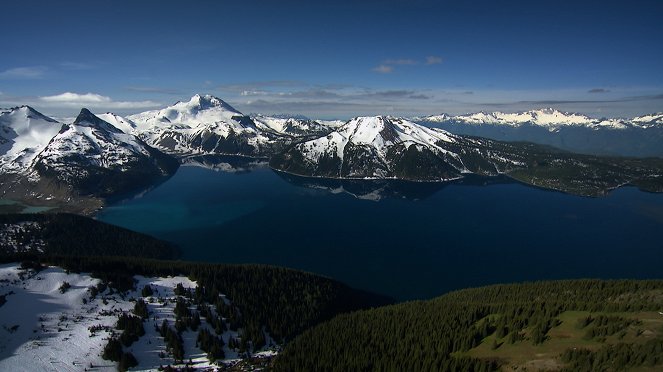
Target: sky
{"type": "Point", "coordinates": [334, 59]}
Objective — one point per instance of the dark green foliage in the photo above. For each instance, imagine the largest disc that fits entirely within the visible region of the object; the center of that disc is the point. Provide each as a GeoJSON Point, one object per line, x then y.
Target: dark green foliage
{"type": "Point", "coordinates": [64, 287]}
{"type": "Point", "coordinates": [425, 335]}
{"type": "Point", "coordinates": [31, 264]}
{"type": "Point", "coordinates": [140, 309]}
{"type": "Point", "coordinates": [127, 361]}
{"type": "Point", "coordinates": [180, 291]}
{"type": "Point", "coordinates": [131, 327]}
{"type": "Point", "coordinates": [281, 301]}
{"type": "Point", "coordinates": [173, 341]}
{"type": "Point", "coordinates": [211, 344]}
{"type": "Point", "coordinates": [69, 234]}
{"type": "Point", "coordinates": [616, 357]}
{"type": "Point", "coordinates": [112, 350]}
{"type": "Point", "coordinates": [603, 326]}
{"type": "Point", "coordinates": [181, 308]}
{"type": "Point", "coordinates": [146, 291]}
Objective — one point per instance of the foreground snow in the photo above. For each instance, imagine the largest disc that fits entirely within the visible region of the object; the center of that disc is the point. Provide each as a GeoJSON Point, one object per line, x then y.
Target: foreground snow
{"type": "Point", "coordinates": [46, 328]}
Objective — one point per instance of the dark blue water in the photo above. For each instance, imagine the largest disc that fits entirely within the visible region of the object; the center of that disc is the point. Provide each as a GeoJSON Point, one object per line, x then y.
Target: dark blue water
{"type": "Point", "coordinates": [419, 241]}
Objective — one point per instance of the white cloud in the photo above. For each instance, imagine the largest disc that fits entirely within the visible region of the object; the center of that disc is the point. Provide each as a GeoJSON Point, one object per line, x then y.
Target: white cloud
{"type": "Point", "coordinates": [383, 69]}
{"type": "Point", "coordinates": [403, 61]}
{"type": "Point", "coordinates": [69, 99]}
{"type": "Point", "coordinates": [28, 72]}
{"type": "Point", "coordinates": [387, 66]}
{"type": "Point", "coordinates": [75, 97]}
{"type": "Point", "coordinates": [69, 65]}
{"type": "Point", "coordinates": [433, 60]}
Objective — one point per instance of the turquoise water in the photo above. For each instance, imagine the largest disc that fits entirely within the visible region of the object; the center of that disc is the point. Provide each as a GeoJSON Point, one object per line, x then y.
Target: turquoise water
{"type": "Point", "coordinates": [23, 208]}
{"type": "Point", "coordinates": [418, 241]}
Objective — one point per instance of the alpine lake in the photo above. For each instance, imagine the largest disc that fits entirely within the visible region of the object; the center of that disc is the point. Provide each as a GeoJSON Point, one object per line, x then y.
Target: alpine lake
{"type": "Point", "coordinates": [407, 240]}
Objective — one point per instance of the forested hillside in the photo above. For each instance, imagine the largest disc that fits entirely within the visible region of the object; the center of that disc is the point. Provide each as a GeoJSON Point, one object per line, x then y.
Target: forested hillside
{"type": "Point", "coordinates": [70, 234]}
{"type": "Point", "coordinates": [559, 325]}
{"type": "Point", "coordinates": [284, 301]}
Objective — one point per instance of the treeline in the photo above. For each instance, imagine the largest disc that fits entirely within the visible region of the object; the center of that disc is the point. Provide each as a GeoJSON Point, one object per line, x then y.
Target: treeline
{"type": "Point", "coordinates": [70, 234]}
{"type": "Point", "coordinates": [617, 357]}
{"type": "Point", "coordinates": [431, 335]}
{"type": "Point", "coordinates": [280, 301]}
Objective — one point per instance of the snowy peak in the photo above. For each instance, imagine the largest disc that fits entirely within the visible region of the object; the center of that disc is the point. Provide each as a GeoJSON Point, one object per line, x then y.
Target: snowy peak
{"type": "Point", "coordinates": [291, 125]}
{"type": "Point", "coordinates": [385, 130]}
{"type": "Point", "coordinates": [648, 121]}
{"type": "Point", "coordinates": [119, 122]}
{"type": "Point", "coordinates": [200, 110]}
{"type": "Point", "coordinates": [23, 133]}
{"type": "Point", "coordinates": [197, 105]}
{"type": "Point", "coordinates": [549, 118]}
{"type": "Point", "coordinates": [88, 119]}
{"type": "Point", "coordinates": [545, 117]}
{"type": "Point", "coordinates": [26, 112]}
{"type": "Point", "coordinates": [207, 101]}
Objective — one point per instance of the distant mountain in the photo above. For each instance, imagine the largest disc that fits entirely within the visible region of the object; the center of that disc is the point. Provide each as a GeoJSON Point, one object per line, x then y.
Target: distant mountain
{"type": "Point", "coordinates": [392, 148]}
{"type": "Point", "coordinates": [383, 147]}
{"type": "Point", "coordinates": [203, 125]}
{"type": "Point", "coordinates": [639, 136]}
{"type": "Point", "coordinates": [292, 126]}
{"type": "Point", "coordinates": [24, 132]}
{"type": "Point", "coordinates": [94, 157]}
{"type": "Point", "coordinates": [206, 125]}
{"type": "Point", "coordinates": [49, 161]}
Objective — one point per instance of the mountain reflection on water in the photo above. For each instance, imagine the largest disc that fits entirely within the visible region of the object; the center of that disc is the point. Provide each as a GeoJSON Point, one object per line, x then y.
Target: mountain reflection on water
{"type": "Point", "coordinates": [377, 190]}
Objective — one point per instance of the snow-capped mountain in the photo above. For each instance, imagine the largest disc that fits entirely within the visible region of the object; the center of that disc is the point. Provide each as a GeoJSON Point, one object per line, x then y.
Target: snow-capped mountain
{"type": "Point", "coordinates": [384, 147]}
{"type": "Point", "coordinates": [24, 132]}
{"type": "Point", "coordinates": [45, 160]}
{"type": "Point", "coordinates": [119, 122]}
{"type": "Point", "coordinates": [639, 136]}
{"type": "Point", "coordinates": [648, 121]}
{"type": "Point", "coordinates": [203, 125]}
{"type": "Point", "coordinates": [549, 118]}
{"type": "Point", "coordinates": [293, 126]}
{"type": "Point", "coordinates": [92, 156]}
{"type": "Point", "coordinates": [206, 125]}
{"type": "Point", "coordinates": [392, 148]}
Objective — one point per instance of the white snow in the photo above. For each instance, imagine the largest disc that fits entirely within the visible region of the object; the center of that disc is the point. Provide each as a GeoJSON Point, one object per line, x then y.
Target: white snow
{"type": "Point", "coordinates": [549, 118]}
{"type": "Point", "coordinates": [101, 147]}
{"type": "Point", "coordinates": [291, 126]}
{"type": "Point", "coordinates": [197, 118]}
{"type": "Point", "coordinates": [647, 121]}
{"type": "Point", "coordinates": [43, 329]}
{"type": "Point", "coordinates": [23, 134]}
{"type": "Point", "coordinates": [119, 122]}
{"type": "Point", "coordinates": [380, 132]}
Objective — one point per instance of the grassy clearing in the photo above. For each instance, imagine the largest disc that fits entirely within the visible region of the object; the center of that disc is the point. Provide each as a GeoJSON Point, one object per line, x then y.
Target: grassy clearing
{"type": "Point", "coordinates": [524, 356]}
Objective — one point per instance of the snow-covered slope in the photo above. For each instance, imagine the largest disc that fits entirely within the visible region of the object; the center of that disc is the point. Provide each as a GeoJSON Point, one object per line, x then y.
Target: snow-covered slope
{"type": "Point", "coordinates": [92, 156]}
{"type": "Point", "coordinates": [291, 126]}
{"type": "Point", "coordinates": [49, 326]}
{"type": "Point", "coordinates": [24, 133]}
{"type": "Point", "coordinates": [549, 118]}
{"type": "Point", "coordinates": [44, 161]}
{"type": "Point", "coordinates": [119, 122]}
{"type": "Point", "coordinates": [385, 147]}
{"type": "Point", "coordinates": [639, 136]}
{"type": "Point", "coordinates": [648, 121]}
{"type": "Point", "coordinates": [203, 125]}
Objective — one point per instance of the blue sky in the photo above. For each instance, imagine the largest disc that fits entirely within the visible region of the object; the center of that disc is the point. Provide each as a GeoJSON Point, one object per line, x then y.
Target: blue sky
{"type": "Point", "coordinates": [334, 59]}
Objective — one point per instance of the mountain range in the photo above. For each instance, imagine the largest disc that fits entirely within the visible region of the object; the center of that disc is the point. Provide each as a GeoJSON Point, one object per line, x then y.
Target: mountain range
{"type": "Point", "coordinates": [45, 161]}
{"type": "Point", "coordinates": [98, 156]}
{"type": "Point", "coordinates": [639, 136]}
